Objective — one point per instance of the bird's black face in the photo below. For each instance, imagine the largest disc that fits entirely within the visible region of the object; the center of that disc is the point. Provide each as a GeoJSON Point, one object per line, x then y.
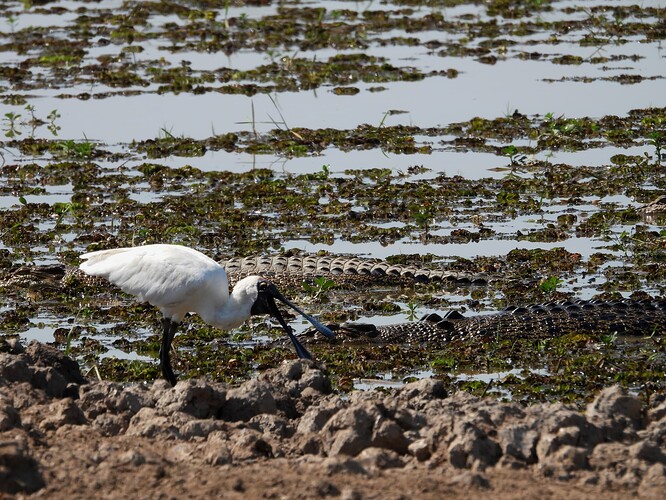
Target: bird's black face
{"type": "Point", "coordinates": [265, 304]}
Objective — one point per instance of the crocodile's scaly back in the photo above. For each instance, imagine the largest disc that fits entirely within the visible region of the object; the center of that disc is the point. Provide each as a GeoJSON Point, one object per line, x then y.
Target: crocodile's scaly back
{"type": "Point", "coordinates": [626, 317]}
{"type": "Point", "coordinates": [284, 270]}
{"type": "Point", "coordinates": [344, 269]}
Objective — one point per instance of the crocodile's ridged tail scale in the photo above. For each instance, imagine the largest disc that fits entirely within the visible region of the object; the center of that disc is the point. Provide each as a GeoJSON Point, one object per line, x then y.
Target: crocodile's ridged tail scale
{"type": "Point", "coordinates": [345, 268]}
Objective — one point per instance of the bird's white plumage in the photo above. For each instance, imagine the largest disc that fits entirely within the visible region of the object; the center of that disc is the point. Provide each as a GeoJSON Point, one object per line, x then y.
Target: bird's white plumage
{"type": "Point", "coordinates": [177, 280]}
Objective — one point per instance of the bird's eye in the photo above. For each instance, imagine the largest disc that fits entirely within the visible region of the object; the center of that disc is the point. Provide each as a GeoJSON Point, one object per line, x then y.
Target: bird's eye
{"type": "Point", "coordinates": [262, 285]}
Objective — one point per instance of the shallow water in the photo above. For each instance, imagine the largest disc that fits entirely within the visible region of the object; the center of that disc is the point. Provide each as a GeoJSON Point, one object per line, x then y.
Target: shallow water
{"type": "Point", "coordinates": [491, 85]}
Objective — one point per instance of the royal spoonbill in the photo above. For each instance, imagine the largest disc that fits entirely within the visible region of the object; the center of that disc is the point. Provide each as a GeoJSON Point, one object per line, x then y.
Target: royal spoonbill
{"type": "Point", "coordinates": [178, 280]}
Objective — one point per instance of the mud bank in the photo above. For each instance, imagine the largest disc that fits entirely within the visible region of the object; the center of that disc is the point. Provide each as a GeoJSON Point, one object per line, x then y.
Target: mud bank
{"type": "Point", "coordinates": [285, 433]}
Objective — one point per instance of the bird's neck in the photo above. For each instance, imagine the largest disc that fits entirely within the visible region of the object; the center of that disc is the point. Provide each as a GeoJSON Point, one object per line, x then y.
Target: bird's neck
{"type": "Point", "coordinates": [233, 314]}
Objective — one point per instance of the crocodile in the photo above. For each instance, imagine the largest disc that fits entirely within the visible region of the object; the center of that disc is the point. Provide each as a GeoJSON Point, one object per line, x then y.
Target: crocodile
{"type": "Point", "coordinates": [281, 269]}
{"type": "Point", "coordinates": [629, 317]}
{"type": "Point", "coordinates": [345, 268]}
{"type": "Point", "coordinates": [538, 321]}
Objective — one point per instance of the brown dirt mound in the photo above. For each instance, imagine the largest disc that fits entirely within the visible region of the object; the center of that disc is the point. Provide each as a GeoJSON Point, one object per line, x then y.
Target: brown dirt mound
{"type": "Point", "coordinates": [286, 434]}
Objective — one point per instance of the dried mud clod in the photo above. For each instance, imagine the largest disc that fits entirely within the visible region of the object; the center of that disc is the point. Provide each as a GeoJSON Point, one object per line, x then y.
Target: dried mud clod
{"type": "Point", "coordinates": [290, 413]}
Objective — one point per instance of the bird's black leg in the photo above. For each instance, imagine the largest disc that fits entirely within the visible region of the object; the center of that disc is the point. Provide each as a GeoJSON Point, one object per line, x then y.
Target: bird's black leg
{"type": "Point", "coordinates": [168, 333]}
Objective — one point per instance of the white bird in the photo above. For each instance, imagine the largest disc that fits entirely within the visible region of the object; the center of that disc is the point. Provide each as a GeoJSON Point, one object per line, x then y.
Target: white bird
{"type": "Point", "coordinates": [178, 280]}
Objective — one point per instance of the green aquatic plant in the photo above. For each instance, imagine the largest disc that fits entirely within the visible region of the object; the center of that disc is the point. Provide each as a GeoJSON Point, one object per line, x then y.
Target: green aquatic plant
{"type": "Point", "coordinates": [61, 210]}
{"type": "Point", "coordinates": [423, 217]}
{"type": "Point", "coordinates": [514, 156]}
{"type": "Point", "coordinates": [50, 122]}
{"type": "Point", "coordinates": [15, 122]}
{"type": "Point", "coordinates": [12, 21]}
{"type": "Point", "coordinates": [658, 139]}
{"type": "Point", "coordinates": [623, 242]}
{"type": "Point", "coordinates": [71, 148]}
{"type": "Point", "coordinates": [508, 198]}
{"type": "Point", "coordinates": [610, 339]}
{"type": "Point", "coordinates": [381, 123]}
{"type": "Point", "coordinates": [319, 287]}
{"type": "Point", "coordinates": [59, 60]}
{"type": "Point", "coordinates": [12, 124]}
{"type": "Point", "coordinates": [411, 311]}
{"type": "Point", "coordinates": [549, 285]}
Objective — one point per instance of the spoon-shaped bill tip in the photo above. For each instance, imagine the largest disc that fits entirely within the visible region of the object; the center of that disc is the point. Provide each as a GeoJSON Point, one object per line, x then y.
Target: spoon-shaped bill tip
{"type": "Point", "coordinates": [321, 328]}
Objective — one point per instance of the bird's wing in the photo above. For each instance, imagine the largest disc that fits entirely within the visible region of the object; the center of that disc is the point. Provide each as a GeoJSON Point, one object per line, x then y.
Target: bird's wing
{"type": "Point", "coordinates": [167, 276]}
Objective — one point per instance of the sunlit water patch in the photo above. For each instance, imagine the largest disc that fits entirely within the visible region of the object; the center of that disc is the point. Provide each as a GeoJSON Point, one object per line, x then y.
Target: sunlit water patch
{"type": "Point", "coordinates": [388, 380]}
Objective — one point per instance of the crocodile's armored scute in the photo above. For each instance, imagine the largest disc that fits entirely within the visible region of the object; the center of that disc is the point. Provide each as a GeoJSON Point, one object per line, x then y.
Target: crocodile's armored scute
{"type": "Point", "coordinates": [344, 268]}
{"type": "Point", "coordinates": [626, 317]}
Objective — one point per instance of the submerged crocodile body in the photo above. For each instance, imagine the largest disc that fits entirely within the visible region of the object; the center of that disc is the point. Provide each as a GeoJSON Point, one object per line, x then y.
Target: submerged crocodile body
{"type": "Point", "coordinates": [281, 269]}
{"type": "Point", "coordinates": [344, 268]}
{"type": "Point", "coordinates": [626, 317]}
